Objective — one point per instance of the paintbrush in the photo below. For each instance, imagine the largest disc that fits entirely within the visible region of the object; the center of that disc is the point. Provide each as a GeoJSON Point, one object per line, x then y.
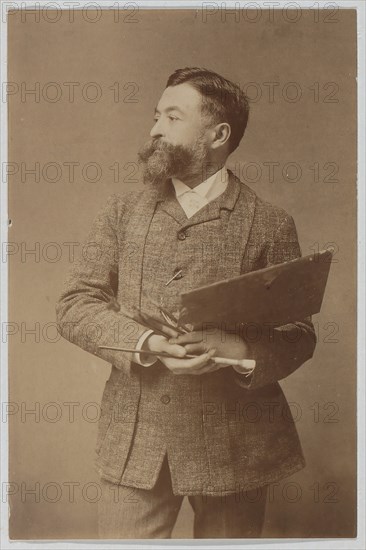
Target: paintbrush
{"type": "Point", "coordinates": [245, 363]}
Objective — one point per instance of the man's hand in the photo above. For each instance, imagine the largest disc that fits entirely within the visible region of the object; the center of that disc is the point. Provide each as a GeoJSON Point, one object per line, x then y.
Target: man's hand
{"type": "Point", "coordinates": [177, 364]}
{"type": "Point", "coordinates": [201, 341]}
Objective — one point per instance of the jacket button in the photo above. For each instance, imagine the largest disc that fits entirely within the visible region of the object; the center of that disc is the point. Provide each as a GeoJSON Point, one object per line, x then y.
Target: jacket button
{"type": "Point", "coordinates": [165, 399]}
{"type": "Point", "coordinates": [182, 235]}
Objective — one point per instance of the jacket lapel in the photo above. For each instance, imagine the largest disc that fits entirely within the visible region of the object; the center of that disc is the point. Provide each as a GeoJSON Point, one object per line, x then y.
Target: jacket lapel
{"type": "Point", "coordinates": [169, 203]}
{"type": "Point", "coordinates": [237, 214]}
{"type": "Point", "coordinates": [138, 221]}
{"type": "Point", "coordinates": [235, 207]}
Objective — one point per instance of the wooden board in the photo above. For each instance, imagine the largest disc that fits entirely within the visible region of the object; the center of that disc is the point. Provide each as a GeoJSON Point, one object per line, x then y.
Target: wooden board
{"type": "Point", "coordinates": [278, 294]}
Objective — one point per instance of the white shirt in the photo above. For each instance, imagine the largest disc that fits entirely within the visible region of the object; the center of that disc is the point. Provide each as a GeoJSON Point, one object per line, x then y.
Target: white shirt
{"type": "Point", "coordinates": [192, 200]}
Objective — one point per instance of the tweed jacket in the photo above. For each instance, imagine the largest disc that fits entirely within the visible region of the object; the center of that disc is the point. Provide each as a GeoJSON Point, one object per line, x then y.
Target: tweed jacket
{"type": "Point", "coordinates": [221, 432]}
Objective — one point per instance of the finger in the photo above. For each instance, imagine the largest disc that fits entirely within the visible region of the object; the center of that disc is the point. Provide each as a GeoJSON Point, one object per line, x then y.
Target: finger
{"type": "Point", "coordinates": [185, 366]}
{"type": "Point", "coordinates": [210, 367]}
{"type": "Point", "coordinates": [159, 326]}
{"type": "Point", "coordinates": [169, 332]}
{"type": "Point", "coordinates": [200, 361]}
{"type": "Point", "coordinates": [188, 338]}
{"type": "Point", "coordinates": [177, 351]}
{"type": "Point", "coordinates": [197, 349]}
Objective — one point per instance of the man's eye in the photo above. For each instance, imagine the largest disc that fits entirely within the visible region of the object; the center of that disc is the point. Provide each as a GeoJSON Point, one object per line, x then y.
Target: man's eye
{"type": "Point", "coordinates": [173, 117]}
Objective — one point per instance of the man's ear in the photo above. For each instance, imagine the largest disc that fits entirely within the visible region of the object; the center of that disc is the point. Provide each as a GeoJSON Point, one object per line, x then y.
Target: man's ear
{"type": "Point", "coordinates": [222, 134]}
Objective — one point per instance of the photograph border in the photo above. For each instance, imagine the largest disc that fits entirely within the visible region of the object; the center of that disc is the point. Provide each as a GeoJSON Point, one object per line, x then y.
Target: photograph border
{"type": "Point", "coordinates": [265, 544]}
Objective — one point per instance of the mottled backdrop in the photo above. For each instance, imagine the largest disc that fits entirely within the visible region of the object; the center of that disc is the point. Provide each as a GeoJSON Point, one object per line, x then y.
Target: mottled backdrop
{"type": "Point", "coordinates": [96, 78]}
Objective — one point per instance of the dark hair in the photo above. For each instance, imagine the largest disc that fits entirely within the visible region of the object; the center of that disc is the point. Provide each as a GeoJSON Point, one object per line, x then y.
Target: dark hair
{"type": "Point", "coordinates": [222, 100]}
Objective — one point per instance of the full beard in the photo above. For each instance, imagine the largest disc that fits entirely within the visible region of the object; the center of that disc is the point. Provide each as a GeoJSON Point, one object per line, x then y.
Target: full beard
{"type": "Point", "coordinates": [161, 160]}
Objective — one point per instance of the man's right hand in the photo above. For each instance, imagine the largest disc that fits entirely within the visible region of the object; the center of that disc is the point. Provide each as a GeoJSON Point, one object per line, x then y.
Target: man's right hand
{"type": "Point", "coordinates": [177, 364]}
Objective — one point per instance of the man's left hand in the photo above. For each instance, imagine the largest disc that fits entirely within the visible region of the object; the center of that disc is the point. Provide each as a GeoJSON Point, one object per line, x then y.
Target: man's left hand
{"type": "Point", "coordinates": [201, 341]}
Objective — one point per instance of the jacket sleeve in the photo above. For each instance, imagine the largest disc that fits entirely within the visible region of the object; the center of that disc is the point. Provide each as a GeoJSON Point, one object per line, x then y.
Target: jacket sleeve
{"type": "Point", "coordinates": [87, 311]}
{"type": "Point", "coordinates": [279, 351]}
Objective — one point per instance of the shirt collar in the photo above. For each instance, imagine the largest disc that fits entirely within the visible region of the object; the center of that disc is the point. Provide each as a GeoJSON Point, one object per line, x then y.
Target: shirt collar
{"type": "Point", "coordinates": [208, 188]}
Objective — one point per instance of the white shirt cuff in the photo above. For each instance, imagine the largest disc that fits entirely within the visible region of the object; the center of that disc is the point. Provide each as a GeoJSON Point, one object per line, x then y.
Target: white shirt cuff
{"type": "Point", "coordinates": [142, 359]}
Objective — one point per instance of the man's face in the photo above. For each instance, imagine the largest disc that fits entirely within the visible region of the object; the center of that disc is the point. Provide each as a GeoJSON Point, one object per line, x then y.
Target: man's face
{"type": "Point", "coordinates": [178, 145]}
{"type": "Point", "coordinates": [178, 118]}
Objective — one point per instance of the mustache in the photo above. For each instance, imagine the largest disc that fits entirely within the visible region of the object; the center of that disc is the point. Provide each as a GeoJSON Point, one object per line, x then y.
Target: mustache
{"type": "Point", "coordinates": [161, 160]}
{"type": "Point", "coordinates": [155, 146]}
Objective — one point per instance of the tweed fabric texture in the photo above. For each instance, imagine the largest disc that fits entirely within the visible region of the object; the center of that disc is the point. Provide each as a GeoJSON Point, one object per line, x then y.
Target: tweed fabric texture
{"type": "Point", "coordinates": [222, 433]}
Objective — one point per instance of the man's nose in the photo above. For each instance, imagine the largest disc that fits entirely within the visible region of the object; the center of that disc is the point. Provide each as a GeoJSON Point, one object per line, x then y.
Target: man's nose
{"type": "Point", "coordinates": [157, 130]}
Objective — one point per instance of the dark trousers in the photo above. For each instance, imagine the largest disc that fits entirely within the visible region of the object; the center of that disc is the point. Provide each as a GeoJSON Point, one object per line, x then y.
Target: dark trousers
{"type": "Point", "coordinates": [129, 513]}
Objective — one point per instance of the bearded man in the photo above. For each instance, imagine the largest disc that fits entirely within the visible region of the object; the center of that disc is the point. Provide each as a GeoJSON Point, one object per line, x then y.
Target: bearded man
{"type": "Point", "coordinates": [175, 426]}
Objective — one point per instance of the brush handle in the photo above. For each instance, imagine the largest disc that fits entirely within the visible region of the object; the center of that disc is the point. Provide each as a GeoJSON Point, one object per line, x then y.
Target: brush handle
{"type": "Point", "coordinates": [245, 363]}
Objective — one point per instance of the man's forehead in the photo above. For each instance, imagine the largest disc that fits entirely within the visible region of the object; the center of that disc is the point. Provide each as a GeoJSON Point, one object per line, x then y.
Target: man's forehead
{"type": "Point", "coordinates": [182, 96]}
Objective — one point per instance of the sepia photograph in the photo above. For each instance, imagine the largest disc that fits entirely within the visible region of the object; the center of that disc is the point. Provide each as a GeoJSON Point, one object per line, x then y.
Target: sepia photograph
{"type": "Point", "coordinates": [180, 356]}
